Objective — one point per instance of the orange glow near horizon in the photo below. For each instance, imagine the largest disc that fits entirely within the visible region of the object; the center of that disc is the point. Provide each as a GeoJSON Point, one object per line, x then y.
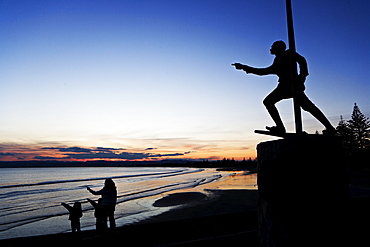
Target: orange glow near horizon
{"type": "Point", "coordinates": [74, 153]}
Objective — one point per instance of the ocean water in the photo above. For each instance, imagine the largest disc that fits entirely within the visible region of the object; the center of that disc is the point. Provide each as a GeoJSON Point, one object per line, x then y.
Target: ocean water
{"type": "Point", "coordinates": [30, 198]}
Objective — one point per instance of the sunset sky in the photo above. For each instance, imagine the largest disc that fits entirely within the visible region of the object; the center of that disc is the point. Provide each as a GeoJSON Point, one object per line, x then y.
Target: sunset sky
{"type": "Point", "coordinates": [151, 79]}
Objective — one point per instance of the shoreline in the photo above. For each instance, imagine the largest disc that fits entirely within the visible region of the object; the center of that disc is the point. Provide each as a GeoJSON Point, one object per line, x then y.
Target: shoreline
{"type": "Point", "coordinates": [192, 222]}
{"type": "Point", "coordinates": [225, 196]}
{"type": "Point", "coordinates": [225, 214]}
{"type": "Point", "coordinates": [136, 196]}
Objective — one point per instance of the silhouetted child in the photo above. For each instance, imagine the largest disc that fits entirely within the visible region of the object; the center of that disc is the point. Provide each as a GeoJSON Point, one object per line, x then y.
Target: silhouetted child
{"type": "Point", "coordinates": [100, 215]}
{"type": "Point", "coordinates": [75, 213]}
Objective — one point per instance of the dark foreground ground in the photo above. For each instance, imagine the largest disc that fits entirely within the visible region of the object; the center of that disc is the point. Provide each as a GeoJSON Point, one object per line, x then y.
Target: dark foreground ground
{"type": "Point", "coordinates": [228, 218]}
{"type": "Point", "coordinates": [212, 230]}
{"type": "Point", "coordinates": [231, 229]}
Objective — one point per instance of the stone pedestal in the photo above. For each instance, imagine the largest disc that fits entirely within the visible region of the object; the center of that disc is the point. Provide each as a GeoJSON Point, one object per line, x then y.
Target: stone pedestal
{"type": "Point", "coordinates": [303, 192]}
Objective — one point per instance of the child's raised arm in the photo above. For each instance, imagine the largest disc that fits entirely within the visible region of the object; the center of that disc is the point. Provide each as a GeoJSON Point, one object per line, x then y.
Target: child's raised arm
{"type": "Point", "coordinates": [69, 208]}
{"type": "Point", "coordinates": [94, 204]}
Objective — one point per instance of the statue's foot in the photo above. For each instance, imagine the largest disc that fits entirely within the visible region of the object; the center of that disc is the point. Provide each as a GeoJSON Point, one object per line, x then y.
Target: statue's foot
{"type": "Point", "coordinates": [276, 129]}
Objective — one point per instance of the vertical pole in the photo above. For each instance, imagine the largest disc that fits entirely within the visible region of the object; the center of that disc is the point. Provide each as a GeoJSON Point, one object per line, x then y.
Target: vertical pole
{"type": "Point", "coordinates": [293, 65]}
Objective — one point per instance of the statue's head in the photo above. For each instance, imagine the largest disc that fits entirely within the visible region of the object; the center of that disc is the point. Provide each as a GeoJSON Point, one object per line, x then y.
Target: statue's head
{"type": "Point", "coordinates": [278, 47]}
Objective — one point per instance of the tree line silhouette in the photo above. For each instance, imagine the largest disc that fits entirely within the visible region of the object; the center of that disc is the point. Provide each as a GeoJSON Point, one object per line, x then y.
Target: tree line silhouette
{"type": "Point", "coordinates": [355, 136]}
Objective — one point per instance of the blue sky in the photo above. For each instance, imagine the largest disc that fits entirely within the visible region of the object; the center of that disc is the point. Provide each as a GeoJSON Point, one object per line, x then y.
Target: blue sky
{"type": "Point", "coordinates": [154, 77]}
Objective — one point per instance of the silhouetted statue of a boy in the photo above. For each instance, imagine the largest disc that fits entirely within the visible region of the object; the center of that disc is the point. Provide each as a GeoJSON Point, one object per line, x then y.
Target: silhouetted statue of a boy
{"type": "Point", "coordinates": [281, 67]}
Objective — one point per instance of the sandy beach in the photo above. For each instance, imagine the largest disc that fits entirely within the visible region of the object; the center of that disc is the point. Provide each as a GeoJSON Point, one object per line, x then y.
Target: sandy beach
{"type": "Point", "coordinates": [225, 212]}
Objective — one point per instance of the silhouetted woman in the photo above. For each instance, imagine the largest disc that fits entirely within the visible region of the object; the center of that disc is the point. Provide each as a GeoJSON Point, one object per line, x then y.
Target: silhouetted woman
{"type": "Point", "coordinates": [109, 200]}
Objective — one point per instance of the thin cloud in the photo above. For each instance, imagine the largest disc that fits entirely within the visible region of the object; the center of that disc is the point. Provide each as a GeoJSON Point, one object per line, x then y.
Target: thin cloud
{"type": "Point", "coordinates": [80, 153]}
{"type": "Point", "coordinates": [70, 149]}
{"type": "Point", "coordinates": [123, 155]}
{"type": "Point", "coordinates": [9, 154]}
{"type": "Point", "coordinates": [48, 158]}
{"type": "Point", "coordinates": [107, 149]}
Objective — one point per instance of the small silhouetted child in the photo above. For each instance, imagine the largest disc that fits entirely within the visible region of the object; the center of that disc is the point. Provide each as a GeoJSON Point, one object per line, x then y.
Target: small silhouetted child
{"type": "Point", "coordinates": [100, 215]}
{"type": "Point", "coordinates": [75, 213]}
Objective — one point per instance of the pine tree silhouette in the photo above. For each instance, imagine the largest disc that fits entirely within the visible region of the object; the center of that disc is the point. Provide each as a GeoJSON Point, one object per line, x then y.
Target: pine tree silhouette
{"type": "Point", "coordinates": [360, 128]}
{"type": "Point", "coordinates": [345, 133]}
